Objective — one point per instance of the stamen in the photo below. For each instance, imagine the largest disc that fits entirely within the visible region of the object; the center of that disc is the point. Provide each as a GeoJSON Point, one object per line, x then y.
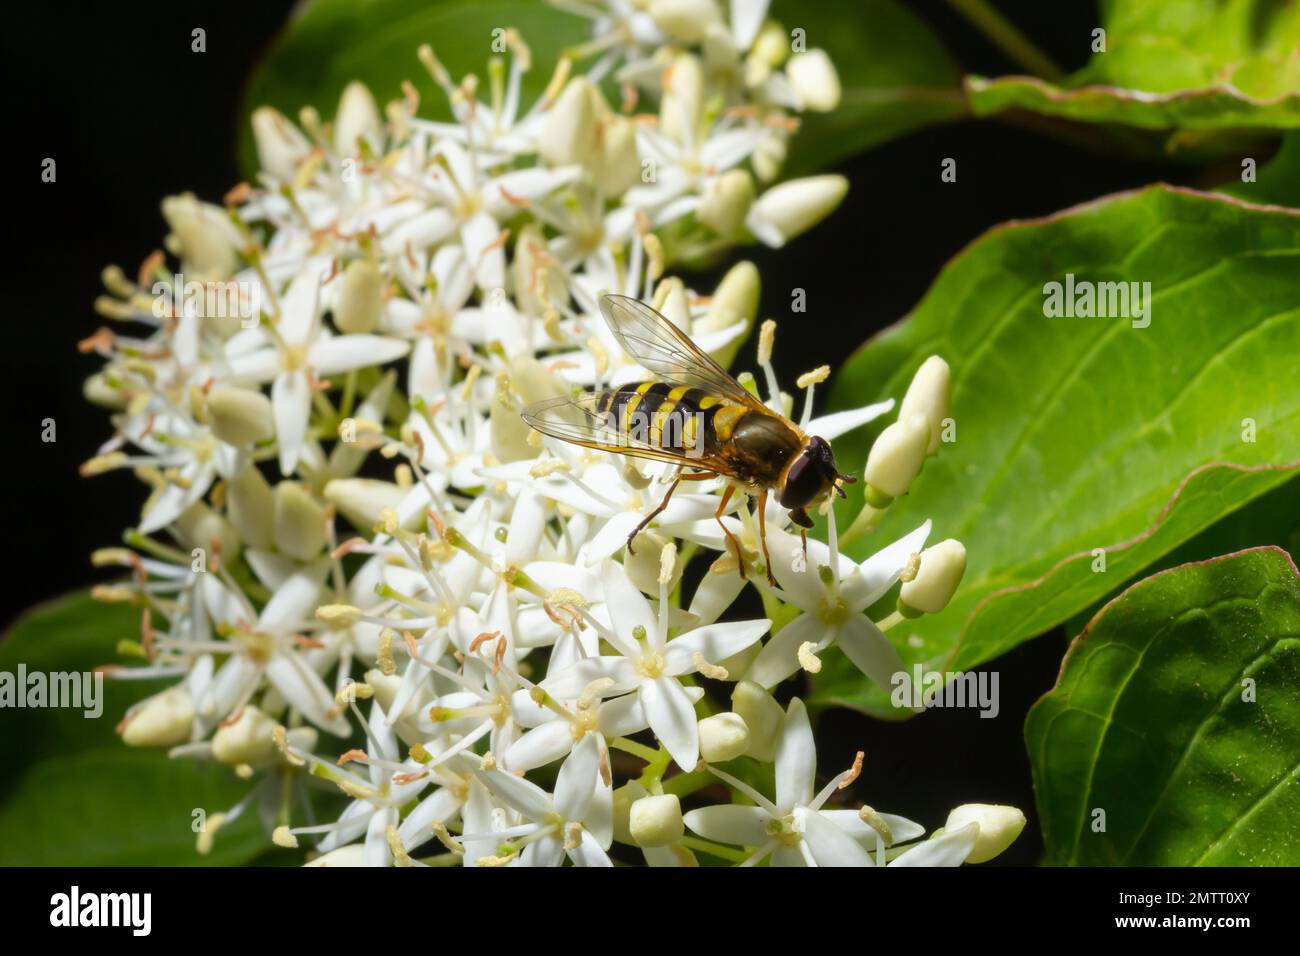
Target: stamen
{"type": "Point", "coordinates": [808, 659]}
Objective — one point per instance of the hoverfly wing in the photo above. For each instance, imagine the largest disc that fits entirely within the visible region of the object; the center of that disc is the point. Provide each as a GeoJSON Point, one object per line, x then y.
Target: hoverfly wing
{"type": "Point", "coordinates": [664, 349]}
{"type": "Point", "coordinates": [580, 420]}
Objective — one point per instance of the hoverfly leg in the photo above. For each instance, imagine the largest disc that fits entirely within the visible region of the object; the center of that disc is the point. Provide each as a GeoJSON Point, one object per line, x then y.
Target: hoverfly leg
{"type": "Point", "coordinates": [803, 535]}
{"type": "Point", "coordinates": [731, 538]}
{"type": "Point", "coordinates": [652, 515]}
{"type": "Point", "coordinates": [762, 535]}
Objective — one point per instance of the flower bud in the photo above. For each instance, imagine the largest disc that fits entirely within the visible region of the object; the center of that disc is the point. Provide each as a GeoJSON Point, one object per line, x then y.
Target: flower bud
{"type": "Point", "coordinates": [929, 396]}
{"type": "Point", "coordinates": [683, 99]}
{"type": "Point", "coordinates": [942, 566]}
{"type": "Point", "coordinates": [685, 20]}
{"type": "Point", "coordinates": [670, 301]}
{"type": "Point", "coordinates": [656, 820]}
{"type": "Point", "coordinates": [248, 740]}
{"type": "Point", "coordinates": [726, 202]}
{"type": "Point", "coordinates": [793, 207]}
{"type": "Point", "coordinates": [357, 119]}
{"type": "Point", "coordinates": [508, 429]}
{"type": "Point", "coordinates": [361, 500]}
{"type": "Point", "coordinates": [734, 300]}
{"type": "Point", "coordinates": [763, 717]}
{"type": "Point", "coordinates": [299, 524]}
{"type": "Point", "coordinates": [772, 45]}
{"type": "Point", "coordinates": [769, 155]}
{"type": "Point", "coordinates": [897, 455]}
{"type": "Point", "coordinates": [533, 381]}
{"type": "Point", "coordinates": [361, 300]}
{"type": "Point", "coordinates": [98, 391]}
{"type": "Point", "coordinates": [815, 81]}
{"type": "Point", "coordinates": [999, 827]}
{"type": "Point", "coordinates": [208, 242]}
{"type": "Point", "coordinates": [538, 278]}
{"type": "Point", "coordinates": [619, 164]}
{"type": "Point", "coordinates": [239, 416]}
{"type": "Point", "coordinates": [723, 737]}
{"type": "Point", "coordinates": [251, 507]}
{"type": "Point", "coordinates": [569, 130]}
{"type": "Point", "coordinates": [163, 720]}
{"type": "Point", "coordinates": [643, 567]}
{"type": "Point", "coordinates": [624, 797]}
{"type": "Point", "coordinates": [280, 145]}
{"type": "Point", "coordinates": [199, 526]}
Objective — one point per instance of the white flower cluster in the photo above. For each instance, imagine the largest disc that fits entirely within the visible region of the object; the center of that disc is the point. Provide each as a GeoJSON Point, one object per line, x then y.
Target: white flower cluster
{"type": "Point", "coordinates": [349, 520]}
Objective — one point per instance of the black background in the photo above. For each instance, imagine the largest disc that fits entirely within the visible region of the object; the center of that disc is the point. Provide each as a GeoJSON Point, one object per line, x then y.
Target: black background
{"type": "Point", "coordinates": [113, 93]}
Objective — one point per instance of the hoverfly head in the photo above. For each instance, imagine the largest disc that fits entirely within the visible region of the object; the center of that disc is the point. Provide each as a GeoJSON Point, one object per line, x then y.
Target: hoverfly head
{"type": "Point", "coordinates": [811, 476]}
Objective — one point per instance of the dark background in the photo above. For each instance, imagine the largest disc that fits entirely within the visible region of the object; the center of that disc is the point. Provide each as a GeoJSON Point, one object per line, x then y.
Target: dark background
{"type": "Point", "coordinates": [112, 92]}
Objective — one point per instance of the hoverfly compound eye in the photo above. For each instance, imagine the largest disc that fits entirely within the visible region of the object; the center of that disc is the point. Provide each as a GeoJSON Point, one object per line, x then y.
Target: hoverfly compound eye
{"type": "Point", "coordinates": [803, 482]}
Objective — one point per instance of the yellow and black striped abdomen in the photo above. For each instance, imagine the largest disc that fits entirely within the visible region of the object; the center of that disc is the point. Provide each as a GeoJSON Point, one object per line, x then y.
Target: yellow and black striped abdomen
{"type": "Point", "coordinates": [677, 418]}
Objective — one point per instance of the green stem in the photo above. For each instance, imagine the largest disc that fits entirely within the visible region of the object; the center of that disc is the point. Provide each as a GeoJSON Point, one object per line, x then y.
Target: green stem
{"type": "Point", "coordinates": [1006, 37]}
{"type": "Point", "coordinates": [715, 849]}
{"type": "Point", "coordinates": [685, 784]}
{"type": "Point", "coordinates": [647, 754]}
{"type": "Point", "coordinates": [866, 522]}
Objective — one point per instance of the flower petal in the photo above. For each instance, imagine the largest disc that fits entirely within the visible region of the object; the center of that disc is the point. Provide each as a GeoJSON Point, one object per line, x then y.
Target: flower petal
{"type": "Point", "coordinates": [671, 716]}
{"type": "Point", "coordinates": [779, 657]}
{"type": "Point", "coordinates": [796, 759]}
{"type": "Point", "coordinates": [870, 651]}
{"type": "Point", "coordinates": [734, 824]}
{"type": "Point", "coordinates": [947, 849]}
{"type": "Point", "coordinates": [575, 784]}
{"type": "Point", "coordinates": [715, 642]}
{"type": "Point", "coordinates": [830, 845]}
{"type": "Point", "coordinates": [573, 680]}
{"type": "Point", "coordinates": [520, 794]}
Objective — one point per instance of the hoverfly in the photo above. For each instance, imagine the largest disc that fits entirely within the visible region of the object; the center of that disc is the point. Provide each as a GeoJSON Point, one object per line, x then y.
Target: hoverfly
{"type": "Point", "coordinates": [696, 416]}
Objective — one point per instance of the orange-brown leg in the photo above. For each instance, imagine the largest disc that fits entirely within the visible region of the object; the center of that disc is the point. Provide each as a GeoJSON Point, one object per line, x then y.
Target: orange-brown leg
{"type": "Point", "coordinates": [803, 536]}
{"type": "Point", "coordinates": [762, 535]}
{"type": "Point", "coordinates": [652, 515]}
{"type": "Point", "coordinates": [722, 507]}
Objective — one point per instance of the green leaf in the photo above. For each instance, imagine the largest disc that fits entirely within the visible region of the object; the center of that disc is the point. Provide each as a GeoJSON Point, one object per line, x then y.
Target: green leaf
{"type": "Point", "coordinates": [120, 807]}
{"type": "Point", "coordinates": [1173, 65]}
{"type": "Point", "coordinates": [334, 42]}
{"type": "Point", "coordinates": [896, 78]}
{"type": "Point", "coordinates": [1271, 519]}
{"type": "Point", "coordinates": [1278, 181]}
{"type": "Point", "coordinates": [72, 792]}
{"type": "Point", "coordinates": [1148, 723]}
{"type": "Point", "coordinates": [1078, 434]}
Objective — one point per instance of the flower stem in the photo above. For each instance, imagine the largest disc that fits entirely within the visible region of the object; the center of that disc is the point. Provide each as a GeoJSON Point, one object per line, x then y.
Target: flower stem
{"type": "Point", "coordinates": [866, 522]}
{"type": "Point", "coordinates": [648, 754]}
{"type": "Point", "coordinates": [1006, 37]}
{"type": "Point", "coordinates": [715, 849]}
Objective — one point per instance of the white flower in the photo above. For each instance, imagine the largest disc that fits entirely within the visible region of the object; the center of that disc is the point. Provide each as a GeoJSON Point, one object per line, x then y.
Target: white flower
{"type": "Point", "coordinates": [576, 821]}
{"type": "Point", "coordinates": [794, 830]}
{"type": "Point", "coordinates": [833, 594]}
{"type": "Point", "coordinates": [295, 353]}
{"type": "Point", "coordinates": [649, 665]}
